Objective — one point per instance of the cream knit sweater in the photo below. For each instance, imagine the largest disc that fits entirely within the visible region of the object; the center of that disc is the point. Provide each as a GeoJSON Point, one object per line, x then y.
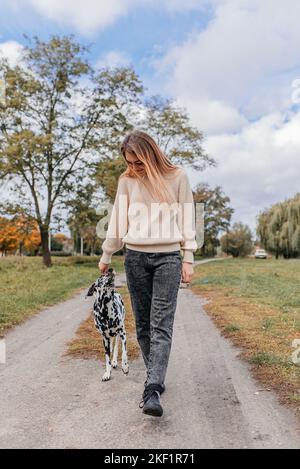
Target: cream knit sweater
{"type": "Point", "coordinates": [144, 224]}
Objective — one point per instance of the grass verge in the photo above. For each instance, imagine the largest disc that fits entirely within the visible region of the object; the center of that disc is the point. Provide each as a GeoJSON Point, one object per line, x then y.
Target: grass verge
{"type": "Point", "coordinates": [256, 303]}
{"type": "Point", "coordinates": [88, 342]}
{"type": "Point", "coordinates": [26, 285]}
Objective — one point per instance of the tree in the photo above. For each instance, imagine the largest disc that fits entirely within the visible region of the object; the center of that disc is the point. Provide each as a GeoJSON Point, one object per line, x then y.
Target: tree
{"type": "Point", "coordinates": [18, 233]}
{"type": "Point", "coordinates": [170, 126]}
{"type": "Point", "coordinates": [33, 241]}
{"type": "Point", "coordinates": [27, 232]}
{"type": "Point", "coordinates": [83, 217]}
{"type": "Point", "coordinates": [59, 119]}
{"type": "Point", "coordinates": [8, 236]}
{"type": "Point", "coordinates": [56, 243]}
{"type": "Point", "coordinates": [237, 241]}
{"type": "Point", "coordinates": [278, 228]}
{"type": "Point", "coordinates": [217, 215]}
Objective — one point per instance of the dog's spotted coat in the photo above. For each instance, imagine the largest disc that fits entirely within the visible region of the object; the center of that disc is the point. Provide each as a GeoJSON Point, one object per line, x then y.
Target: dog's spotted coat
{"type": "Point", "coordinates": [109, 317]}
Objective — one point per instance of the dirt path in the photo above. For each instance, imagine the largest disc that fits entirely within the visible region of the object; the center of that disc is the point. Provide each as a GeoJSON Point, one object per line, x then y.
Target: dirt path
{"type": "Point", "coordinates": [50, 401]}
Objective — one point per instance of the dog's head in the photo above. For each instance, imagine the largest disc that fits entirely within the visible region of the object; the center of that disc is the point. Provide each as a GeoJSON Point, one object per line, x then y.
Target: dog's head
{"type": "Point", "coordinates": [104, 282]}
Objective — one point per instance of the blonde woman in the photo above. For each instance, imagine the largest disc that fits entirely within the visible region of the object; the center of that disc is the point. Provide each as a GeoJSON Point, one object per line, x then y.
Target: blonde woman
{"type": "Point", "coordinates": [153, 215]}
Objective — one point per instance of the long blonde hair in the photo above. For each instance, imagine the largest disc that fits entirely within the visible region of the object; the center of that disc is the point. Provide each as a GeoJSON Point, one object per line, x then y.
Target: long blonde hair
{"type": "Point", "coordinates": [156, 166]}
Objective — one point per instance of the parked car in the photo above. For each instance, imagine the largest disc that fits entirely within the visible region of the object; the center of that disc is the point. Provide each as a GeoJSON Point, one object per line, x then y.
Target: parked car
{"type": "Point", "coordinates": [260, 254]}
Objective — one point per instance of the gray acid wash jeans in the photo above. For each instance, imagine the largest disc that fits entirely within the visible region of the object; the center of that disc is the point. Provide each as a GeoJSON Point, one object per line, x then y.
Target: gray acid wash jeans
{"type": "Point", "coordinates": [153, 280]}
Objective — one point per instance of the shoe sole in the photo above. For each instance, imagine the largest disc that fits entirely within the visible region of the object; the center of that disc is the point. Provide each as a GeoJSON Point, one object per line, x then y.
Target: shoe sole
{"type": "Point", "coordinates": [157, 412]}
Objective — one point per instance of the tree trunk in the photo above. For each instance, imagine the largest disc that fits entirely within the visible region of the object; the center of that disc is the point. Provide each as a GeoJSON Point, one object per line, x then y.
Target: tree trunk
{"type": "Point", "coordinates": [81, 246]}
{"type": "Point", "coordinates": [93, 248]}
{"type": "Point", "coordinates": [45, 246]}
{"type": "Point", "coordinates": [74, 246]}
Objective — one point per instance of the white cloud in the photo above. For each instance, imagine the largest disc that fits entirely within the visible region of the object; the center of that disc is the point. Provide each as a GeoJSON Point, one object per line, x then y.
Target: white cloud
{"type": "Point", "coordinates": [247, 45]}
{"type": "Point", "coordinates": [12, 51]}
{"type": "Point", "coordinates": [113, 59]}
{"type": "Point", "coordinates": [258, 166]}
{"type": "Point", "coordinates": [238, 69]}
{"type": "Point", "coordinates": [86, 16]}
{"type": "Point", "coordinates": [235, 79]}
{"type": "Point", "coordinates": [212, 116]}
{"type": "Point", "coordinates": [179, 5]}
{"type": "Point", "coordinates": [92, 15]}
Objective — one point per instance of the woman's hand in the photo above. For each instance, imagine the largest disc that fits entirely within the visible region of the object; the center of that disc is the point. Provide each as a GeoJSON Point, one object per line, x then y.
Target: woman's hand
{"type": "Point", "coordinates": [187, 272]}
{"type": "Point", "coordinates": [103, 267]}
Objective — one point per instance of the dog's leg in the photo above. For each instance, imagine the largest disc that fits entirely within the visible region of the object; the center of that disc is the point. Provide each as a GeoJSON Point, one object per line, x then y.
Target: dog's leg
{"type": "Point", "coordinates": [125, 366]}
{"type": "Point", "coordinates": [115, 355]}
{"type": "Point", "coordinates": [106, 343]}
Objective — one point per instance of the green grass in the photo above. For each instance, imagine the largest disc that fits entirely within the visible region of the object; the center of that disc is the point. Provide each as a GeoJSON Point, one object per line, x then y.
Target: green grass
{"type": "Point", "coordinates": [271, 282]}
{"type": "Point", "coordinates": [26, 285]}
{"type": "Point", "coordinates": [264, 358]}
{"type": "Point", "coordinates": [232, 328]}
{"type": "Point", "coordinates": [257, 304]}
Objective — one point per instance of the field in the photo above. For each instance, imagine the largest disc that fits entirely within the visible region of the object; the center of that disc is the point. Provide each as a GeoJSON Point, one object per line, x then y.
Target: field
{"type": "Point", "coordinates": [257, 304]}
{"type": "Point", "coordinates": [26, 285]}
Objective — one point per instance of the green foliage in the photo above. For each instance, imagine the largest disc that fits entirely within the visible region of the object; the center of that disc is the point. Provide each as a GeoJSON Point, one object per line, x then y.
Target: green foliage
{"type": "Point", "coordinates": [60, 129]}
{"type": "Point", "coordinates": [279, 228]}
{"type": "Point", "coordinates": [217, 215]}
{"type": "Point", "coordinates": [108, 173]}
{"type": "Point", "coordinates": [83, 217]}
{"type": "Point", "coordinates": [170, 126]}
{"type": "Point", "coordinates": [238, 241]}
{"type": "Point", "coordinates": [59, 119]}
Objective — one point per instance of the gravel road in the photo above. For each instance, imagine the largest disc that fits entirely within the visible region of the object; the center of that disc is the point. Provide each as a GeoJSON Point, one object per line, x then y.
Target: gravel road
{"type": "Point", "coordinates": [49, 400]}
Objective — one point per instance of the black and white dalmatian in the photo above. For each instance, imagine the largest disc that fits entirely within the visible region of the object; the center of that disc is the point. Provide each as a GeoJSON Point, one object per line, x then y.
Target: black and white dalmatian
{"type": "Point", "coordinates": [109, 317]}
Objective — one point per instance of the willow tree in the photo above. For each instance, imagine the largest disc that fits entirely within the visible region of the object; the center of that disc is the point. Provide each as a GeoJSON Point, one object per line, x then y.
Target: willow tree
{"type": "Point", "coordinates": [58, 119]}
{"type": "Point", "coordinates": [278, 228]}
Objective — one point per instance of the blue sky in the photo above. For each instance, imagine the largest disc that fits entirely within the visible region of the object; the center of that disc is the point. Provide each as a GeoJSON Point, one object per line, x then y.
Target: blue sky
{"type": "Point", "coordinates": [139, 37]}
{"type": "Point", "coordinates": [231, 63]}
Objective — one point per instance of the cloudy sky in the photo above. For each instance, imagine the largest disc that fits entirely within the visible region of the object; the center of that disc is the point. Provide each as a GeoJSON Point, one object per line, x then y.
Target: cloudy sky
{"type": "Point", "coordinates": [234, 64]}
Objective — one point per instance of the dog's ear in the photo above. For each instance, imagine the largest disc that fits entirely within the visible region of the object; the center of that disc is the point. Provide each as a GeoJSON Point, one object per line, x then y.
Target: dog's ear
{"type": "Point", "coordinates": [91, 290]}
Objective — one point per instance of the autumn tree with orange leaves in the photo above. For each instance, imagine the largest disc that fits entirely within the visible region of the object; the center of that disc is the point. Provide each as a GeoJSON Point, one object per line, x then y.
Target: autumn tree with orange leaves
{"type": "Point", "coordinates": [18, 234]}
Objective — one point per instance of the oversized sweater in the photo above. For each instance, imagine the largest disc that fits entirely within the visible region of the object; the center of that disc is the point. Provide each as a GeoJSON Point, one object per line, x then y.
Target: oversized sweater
{"type": "Point", "coordinates": [144, 224]}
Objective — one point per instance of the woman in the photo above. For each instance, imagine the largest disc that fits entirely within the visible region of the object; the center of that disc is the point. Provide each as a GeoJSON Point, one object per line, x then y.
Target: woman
{"type": "Point", "coordinates": [153, 214]}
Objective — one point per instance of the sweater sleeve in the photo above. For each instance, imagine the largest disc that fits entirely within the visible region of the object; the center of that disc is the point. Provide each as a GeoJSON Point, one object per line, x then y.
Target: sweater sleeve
{"type": "Point", "coordinates": [118, 223]}
{"type": "Point", "coordinates": [187, 219]}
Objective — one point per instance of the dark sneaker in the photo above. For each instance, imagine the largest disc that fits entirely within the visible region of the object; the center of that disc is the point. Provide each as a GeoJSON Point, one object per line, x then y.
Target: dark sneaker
{"type": "Point", "coordinates": [151, 401]}
{"type": "Point", "coordinates": [162, 389]}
